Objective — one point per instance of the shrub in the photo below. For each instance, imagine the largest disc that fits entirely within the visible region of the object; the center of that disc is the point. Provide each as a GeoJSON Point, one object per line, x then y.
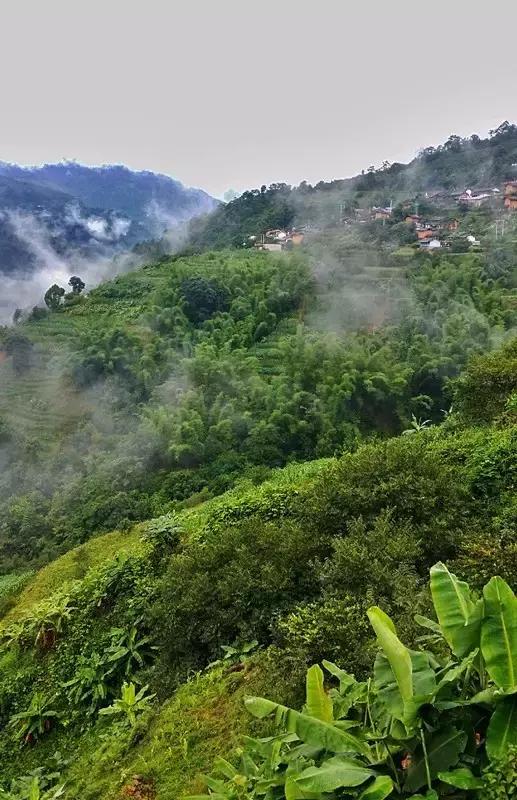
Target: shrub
{"type": "Point", "coordinates": [500, 778]}
{"type": "Point", "coordinates": [489, 380]}
{"type": "Point", "coordinates": [335, 628]}
{"type": "Point", "coordinates": [408, 477]}
{"type": "Point", "coordinates": [227, 587]}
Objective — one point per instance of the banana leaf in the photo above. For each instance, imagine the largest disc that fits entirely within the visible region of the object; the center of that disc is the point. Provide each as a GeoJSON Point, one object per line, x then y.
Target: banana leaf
{"type": "Point", "coordinates": [502, 730]}
{"type": "Point", "coordinates": [335, 773]}
{"type": "Point", "coordinates": [381, 788]}
{"type": "Point", "coordinates": [318, 702]}
{"type": "Point", "coordinates": [459, 616]}
{"type": "Point", "coordinates": [443, 752]}
{"type": "Point", "coordinates": [499, 634]}
{"type": "Point", "coordinates": [309, 729]}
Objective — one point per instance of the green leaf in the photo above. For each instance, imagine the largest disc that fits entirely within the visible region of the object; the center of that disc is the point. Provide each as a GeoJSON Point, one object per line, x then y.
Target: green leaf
{"type": "Point", "coordinates": [424, 684]}
{"type": "Point", "coordinates": [397, 654]}
{"type": "Point", "coordinates": [294, 792]}
{"type": "Point", "coordinates": [499, 634]}
{"type": "Point", "coordinates": [308, 729]}
{"type": "Point", "coordinates": [381, 788]}
{"type": "Point", "coordinates": [443, 752]}
{"type": "Point", "coordinates": [345, 679]}
{"type": "Point", "coordinates": [461, 778]}
{"type": "Point", "coordinates": [455, 673]}
{"type": "Point", "coordinates": [427, 623]}
{"type": "Point", "coordinates": [502, 730]}
{"type": "Point", "coordinates": [333, 774]}
{"type": "Point", "coordinates": [224, 767]}
{"type": "Point", "coordinates": [211, 796]}
{"type": "Point", "coordinates": [458, 615]}
{"type": "Point", "coordinates": [214, 784]}
{"type": "Point", "coordinates": [318, 702]}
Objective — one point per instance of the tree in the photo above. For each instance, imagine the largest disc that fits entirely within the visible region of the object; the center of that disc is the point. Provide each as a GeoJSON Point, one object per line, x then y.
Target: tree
{"type": "Point", "coordinates": [203, 298]}
{"type": "Point", "coordinates": [77, 284]}
{"type": "Point", "coordinates": [53, 296]}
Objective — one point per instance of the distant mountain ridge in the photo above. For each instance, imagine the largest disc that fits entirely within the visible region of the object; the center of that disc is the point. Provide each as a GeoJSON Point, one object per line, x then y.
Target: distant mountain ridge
{"type": "Point", "coordinates": [86, 210]}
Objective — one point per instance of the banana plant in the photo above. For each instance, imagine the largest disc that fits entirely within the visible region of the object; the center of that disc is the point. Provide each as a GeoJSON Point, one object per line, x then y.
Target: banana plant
{"type": "Point", "coordinates": [36, 720]}
{"type": "Point", "coordinates": [130, 703]}
{"type": "Point", "coordinates": [90, 685]}
{"type": "Point", "coordinates": [423, 727]}
{"type": "Point", "coordinates": [128, 649]}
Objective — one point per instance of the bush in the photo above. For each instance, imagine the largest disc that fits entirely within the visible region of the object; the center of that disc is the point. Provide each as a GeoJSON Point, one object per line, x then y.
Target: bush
{"type": "Point", "coordinates": [405, 476]}
{"type": "Point", "coordinates": [500, 778]}
{"type": "Point", "coordinates": [488, 381]}
{"type": "Point", "coordinates": [378, 563]}
{"type": "Point", "coordinates": [336, 628]}
{"type": "Point", "coordinates": [228, 587]}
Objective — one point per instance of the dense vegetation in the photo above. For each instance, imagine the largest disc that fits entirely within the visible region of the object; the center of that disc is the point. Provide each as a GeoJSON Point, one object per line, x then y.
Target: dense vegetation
{"type": "Point", "coordinates": [220, 471]}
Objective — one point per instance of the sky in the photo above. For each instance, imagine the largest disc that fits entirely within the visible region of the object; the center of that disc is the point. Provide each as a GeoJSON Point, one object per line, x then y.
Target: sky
{"type": "Point", "coordinates": [234, 94]}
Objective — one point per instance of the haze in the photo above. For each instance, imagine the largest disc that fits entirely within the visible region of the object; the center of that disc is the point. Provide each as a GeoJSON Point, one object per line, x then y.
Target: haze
{"type": "Point", "coordinates": [237, 94]}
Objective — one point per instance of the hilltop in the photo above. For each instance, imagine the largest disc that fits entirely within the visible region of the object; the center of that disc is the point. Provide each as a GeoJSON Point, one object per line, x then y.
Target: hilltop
{"type": "Point", "coordinates": [150, 202]}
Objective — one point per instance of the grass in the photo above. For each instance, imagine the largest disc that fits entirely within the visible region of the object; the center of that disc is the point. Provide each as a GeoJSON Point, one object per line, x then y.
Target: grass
{"type": "Point", "coordinates": [204, 717]}
{"type": "Point", "coordinates": [178, 742]}
{"type": "Point", "coordinates": [72, 566]}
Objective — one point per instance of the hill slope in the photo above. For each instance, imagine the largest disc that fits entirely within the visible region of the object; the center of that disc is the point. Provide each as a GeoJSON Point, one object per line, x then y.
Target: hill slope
{"type": "Point", "coordinates": [434, 176]}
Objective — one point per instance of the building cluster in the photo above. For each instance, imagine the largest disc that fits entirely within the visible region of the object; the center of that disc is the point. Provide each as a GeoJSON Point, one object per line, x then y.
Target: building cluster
{"type": "Point", "coordinates": [278, 239]}
{"type": "Point", "coordinates": [433, 234]}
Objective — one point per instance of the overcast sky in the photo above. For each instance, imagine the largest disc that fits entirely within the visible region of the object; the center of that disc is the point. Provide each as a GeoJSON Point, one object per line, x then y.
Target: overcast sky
{"type": "Point", "coordinates": [234, 93]}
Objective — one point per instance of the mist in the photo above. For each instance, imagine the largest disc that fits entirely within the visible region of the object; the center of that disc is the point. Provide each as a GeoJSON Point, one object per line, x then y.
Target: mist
{"type": "Point", "coordinates": [103, 258]}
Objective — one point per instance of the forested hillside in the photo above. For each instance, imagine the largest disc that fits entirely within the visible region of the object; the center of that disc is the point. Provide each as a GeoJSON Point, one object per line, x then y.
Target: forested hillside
{"type": "Point", "coordinates": [457, 165]}
{"type": "Point", "coordinates": [225, 468]}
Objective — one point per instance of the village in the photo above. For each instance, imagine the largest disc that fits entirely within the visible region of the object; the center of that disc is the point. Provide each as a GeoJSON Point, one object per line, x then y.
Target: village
{"type": "Point", "coordinates": [432, 232]}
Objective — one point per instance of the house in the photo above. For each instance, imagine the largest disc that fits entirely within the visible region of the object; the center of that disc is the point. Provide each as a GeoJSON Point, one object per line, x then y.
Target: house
{"type": "Point", "coordinates": [362, 215]}
{"type": "Point", "coordinates": [424, 232]}
{"type": "Point", "coordinates": [412, 219]}
{"type": "Point", "coordinates": [273, 247]}
{"type": "Point", "coordinates": [277, 239]}
{"type": "Point", "coordinates": [510, 195]}
{"type": "Point", "coordinates": [297, 237]}
{"type": "Point", "coordinates": [475, 199]}
{"type": "Point", "coordinates": [381, 213]}
{"type": "Point", "coordinates": [430, 244]}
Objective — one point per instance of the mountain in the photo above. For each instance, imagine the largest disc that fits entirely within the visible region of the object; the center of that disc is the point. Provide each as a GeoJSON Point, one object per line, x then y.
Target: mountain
{"type": "Point", "coordinates": [69, 208]}
{"type": "Point", "coordinates": [64, 218]}
{"type": "Point", "coordinates": [152, 202]}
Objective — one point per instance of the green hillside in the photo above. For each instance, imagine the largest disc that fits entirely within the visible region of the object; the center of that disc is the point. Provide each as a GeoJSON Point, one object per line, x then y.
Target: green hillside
{"type": "Point", "coordinates": [428, 184]}
{"type": "Point", "coordinates": [223, 469]}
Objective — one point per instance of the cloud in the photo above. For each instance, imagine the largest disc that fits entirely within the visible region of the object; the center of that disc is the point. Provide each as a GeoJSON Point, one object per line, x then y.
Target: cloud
{"type": "Point", "coordinates": [26, 289]}
{"type": "Point", "coordinates": [102, 229]}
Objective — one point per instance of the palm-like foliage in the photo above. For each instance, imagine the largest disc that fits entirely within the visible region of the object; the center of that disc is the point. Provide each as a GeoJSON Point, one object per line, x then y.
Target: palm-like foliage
{"type": "Point", "coordinates": [36, 720]}
{"type": "Point", "coordinates": [130, 703]}
{"type": "Point", "coordinates": [128, 650]}
{"type": "Point", "coordinates": [90, 684]}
